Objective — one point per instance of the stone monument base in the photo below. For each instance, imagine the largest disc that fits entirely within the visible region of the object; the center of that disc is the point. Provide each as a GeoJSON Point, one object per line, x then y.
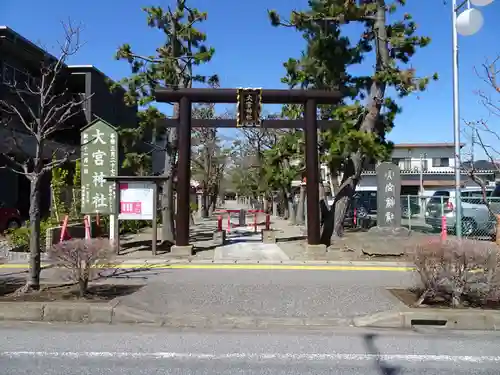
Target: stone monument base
{"type": "Point", "coordinates": [391, 240]}
{"type": "Point", "coordinates": [219, 237]}
{"type": "Point", "coordinates": [389, 231]}
{"type": "Point", "coordinates": [181, 251]}
{"type": "Point", "coordinates": [268, 236]}
{"type": "Point", "coordinates": [319, 249]}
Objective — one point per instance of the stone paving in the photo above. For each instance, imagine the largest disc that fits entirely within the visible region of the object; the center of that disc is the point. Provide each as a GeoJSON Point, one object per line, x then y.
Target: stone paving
{"type": "Point", "coordinates": [281, 294]}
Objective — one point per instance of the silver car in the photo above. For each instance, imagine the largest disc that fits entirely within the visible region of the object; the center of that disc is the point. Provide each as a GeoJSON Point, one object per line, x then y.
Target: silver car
{"type": "Point", "coordinates": [476, 217]}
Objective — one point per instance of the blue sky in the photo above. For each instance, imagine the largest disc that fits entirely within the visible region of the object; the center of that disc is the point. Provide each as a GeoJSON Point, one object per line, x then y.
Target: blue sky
{"type": "Point", "coordinates": [250, 52]}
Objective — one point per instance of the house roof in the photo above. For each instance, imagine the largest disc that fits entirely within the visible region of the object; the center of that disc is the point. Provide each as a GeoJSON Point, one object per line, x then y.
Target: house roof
{"type": "Point", "coordinates": [426, 145]}
{"type": "Point", "coordinates": [7, 33]}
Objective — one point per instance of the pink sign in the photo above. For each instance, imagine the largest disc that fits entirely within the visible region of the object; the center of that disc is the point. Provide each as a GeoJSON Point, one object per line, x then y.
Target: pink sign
{"type": "Point", "coordinates": [131, 208]}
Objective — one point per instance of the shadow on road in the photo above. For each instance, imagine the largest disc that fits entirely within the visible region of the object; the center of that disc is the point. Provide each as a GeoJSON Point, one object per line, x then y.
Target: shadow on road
{"type": "Point", "coordinates": [383, 367]}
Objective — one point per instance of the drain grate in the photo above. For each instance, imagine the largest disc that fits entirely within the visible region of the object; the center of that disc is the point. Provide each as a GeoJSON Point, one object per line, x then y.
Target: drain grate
{"type": "Point", "coordinates": [429, 322]}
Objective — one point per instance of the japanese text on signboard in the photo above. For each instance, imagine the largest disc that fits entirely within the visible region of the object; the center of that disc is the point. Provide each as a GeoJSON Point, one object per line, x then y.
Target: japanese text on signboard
{"type": "Point", "coordinates": [99, 159]}
{"type": "Point", "coordinates": [249, 106]}
{"type": "Point", "coordinates": [389, 199]}
{"type": "Point", "coordinates": [388, 195]}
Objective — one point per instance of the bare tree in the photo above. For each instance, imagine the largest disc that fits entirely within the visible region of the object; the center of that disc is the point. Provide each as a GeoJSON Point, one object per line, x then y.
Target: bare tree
{"type": "Point", "coordinates": [483, 136]}
{"type": "Point", "coordinates": [209, 158]}
{"type": "Point", "coordinates": [34, 112]}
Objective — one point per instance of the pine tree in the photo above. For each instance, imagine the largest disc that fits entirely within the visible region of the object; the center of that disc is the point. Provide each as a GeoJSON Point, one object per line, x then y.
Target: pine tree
{"type": "Point", "coordinates": [172, 65]}
{"type": "Point", "coordinates": [367, 112]}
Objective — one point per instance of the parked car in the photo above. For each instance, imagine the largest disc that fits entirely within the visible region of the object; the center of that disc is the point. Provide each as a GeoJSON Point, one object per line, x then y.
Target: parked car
{"type": "Point", "coordinates": [476, 216]}
{"type": "Point", "coordinates": [10, 218]}
{"type": "Point", "coordinates": [409, 206]}
{"type": "Point", "coordinates": [365, 203]}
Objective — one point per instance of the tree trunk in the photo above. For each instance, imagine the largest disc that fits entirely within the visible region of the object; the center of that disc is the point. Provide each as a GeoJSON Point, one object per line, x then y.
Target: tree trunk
{"type": "Point", "coordinates": [33, 279]}
{"type": "Point", "coordinates": [334, 222]}
{"type": "Point", "coordinates": [83, 284]}
{"type": "Point", "coordinates": [284, 203]}
{"type": "Point", "coordinates": [291, 209]}
{"type": "Point", "coordinates": [300, 209]}
{"type": "Point", "coordinates": [167, 198]}
{"type": "Point", "coordinates": [213, 203]}
{"type": "Point", "coordinates": [205, 203]}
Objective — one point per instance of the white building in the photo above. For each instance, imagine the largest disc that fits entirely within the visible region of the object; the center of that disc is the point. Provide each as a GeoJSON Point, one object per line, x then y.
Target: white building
{"type": "Point", "coordinates": [425, 168]}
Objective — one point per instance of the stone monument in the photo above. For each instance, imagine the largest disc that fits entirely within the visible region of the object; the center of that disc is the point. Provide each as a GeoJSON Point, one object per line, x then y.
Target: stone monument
{"type": "Point", "coordinates": [388, 195]}
{"type": "Point", "coordinates": [388, 212]}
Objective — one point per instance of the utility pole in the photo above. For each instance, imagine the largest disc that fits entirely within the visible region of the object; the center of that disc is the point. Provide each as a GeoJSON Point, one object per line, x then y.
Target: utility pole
{"type": "Point", "coordinates": [473, 141]}
{"type": "Point", "coordinates": [421, 192]}
{"type": "Point", "coordinates": [422, 157]}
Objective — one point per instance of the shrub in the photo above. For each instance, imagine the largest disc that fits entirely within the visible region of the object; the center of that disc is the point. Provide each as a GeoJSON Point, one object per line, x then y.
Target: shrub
{"type": "Point", "coordinates": [83, 258]}
{"type": "Point", "coordinates": [133, 226]}
{"type": "Point", "coordinates": [458, 270]}
{"type": "Point", "coordinates": [20, 237]}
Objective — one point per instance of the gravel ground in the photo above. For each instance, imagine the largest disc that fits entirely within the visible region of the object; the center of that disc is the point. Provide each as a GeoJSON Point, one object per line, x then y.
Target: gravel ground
{"type": "Point", "coordinates": [352, 245]}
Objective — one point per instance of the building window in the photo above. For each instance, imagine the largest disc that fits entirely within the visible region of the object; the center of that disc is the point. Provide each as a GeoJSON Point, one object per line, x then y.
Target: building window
{"type": "Point", "coordinates": [15, 77]}
{"type": "Point", "coordinates": [441, 162]}
{"type": "Point", "coordinates": [8, 75]}
{"type": "Point", "coordinates": [35, 84]}
{"type": "Point", "coordinates": [21, 80]}
{"type": "Point", "coordinates": [407, 164]}
{"type": "Point", "coordinates": [396, 161]}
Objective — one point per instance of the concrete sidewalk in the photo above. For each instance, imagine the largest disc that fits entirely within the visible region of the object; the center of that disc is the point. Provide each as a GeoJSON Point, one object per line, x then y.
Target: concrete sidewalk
{"type": "Point", "coordinates": [271, 294]}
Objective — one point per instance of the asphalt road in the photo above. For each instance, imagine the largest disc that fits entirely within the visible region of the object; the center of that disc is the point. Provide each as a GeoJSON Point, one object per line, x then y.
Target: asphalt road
{"type": "Point", "coordinates": [133, 350]}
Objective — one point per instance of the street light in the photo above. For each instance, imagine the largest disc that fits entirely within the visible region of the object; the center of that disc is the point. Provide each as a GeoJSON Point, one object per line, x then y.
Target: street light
{"type": "Point", "coordinates": [466, 23]}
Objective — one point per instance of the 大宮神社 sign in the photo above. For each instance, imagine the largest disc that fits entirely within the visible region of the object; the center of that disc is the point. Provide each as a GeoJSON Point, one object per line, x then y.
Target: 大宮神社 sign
{"type": "Point", "coordinates": [99, 159]}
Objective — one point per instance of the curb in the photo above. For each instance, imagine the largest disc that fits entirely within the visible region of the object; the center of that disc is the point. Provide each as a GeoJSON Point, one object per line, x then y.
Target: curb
{"type": "Point", "coordinates": [412, 318]}
{"type": "Point", "coordinates": [144, 263]}
{"type": "Point", "coordinates": [114, 313]}
{"type": "Point", "coordinates": [281, 262]}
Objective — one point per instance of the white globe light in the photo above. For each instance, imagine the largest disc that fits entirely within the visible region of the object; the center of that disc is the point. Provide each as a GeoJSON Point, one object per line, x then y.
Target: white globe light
{"type": "Point", "coordinates": [469, 22]}
{"type": "Point", "coordinates": [481, 3]}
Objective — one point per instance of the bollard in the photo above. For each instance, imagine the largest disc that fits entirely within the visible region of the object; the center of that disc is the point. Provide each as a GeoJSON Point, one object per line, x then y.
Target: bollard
{"type": "Point", "coordinates": [229, 221]}
{"type": "Point", "coordinates": [444, 229]}
{"type": "Point", "coordinates": [255, 222]}
{"type": "Point", "coordinates": [268, 222]}
{"type": "Point", "coordinates": [219, 223]}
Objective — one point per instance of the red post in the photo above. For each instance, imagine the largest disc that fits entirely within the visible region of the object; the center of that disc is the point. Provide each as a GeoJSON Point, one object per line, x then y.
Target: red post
{"type": "Point", "coordinates": [268, 222]}
{"type": "Point", "coordinates": [444, 229]}
{"type": "Point", "coordinates": [355, 219]}
{"type": "Point", "coordinates": [86, 221]}
{"type": "Point", "coordinates": [98, 225]}
{"type": "Point", "coordinates": [64, 230]}
{"type": "Point", "coordinates": [229, 221]}
{"type": "Point", "coordinates": [219, 223]}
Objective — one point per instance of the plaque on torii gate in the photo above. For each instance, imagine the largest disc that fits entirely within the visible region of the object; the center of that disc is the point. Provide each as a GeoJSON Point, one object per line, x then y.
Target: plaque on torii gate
{"type": "Point", "coordinates": [310, 123]}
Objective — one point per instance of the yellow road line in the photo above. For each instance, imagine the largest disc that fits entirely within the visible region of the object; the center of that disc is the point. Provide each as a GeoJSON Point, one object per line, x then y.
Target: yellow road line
{"type": "Point", "coordinates": [240, 267]}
